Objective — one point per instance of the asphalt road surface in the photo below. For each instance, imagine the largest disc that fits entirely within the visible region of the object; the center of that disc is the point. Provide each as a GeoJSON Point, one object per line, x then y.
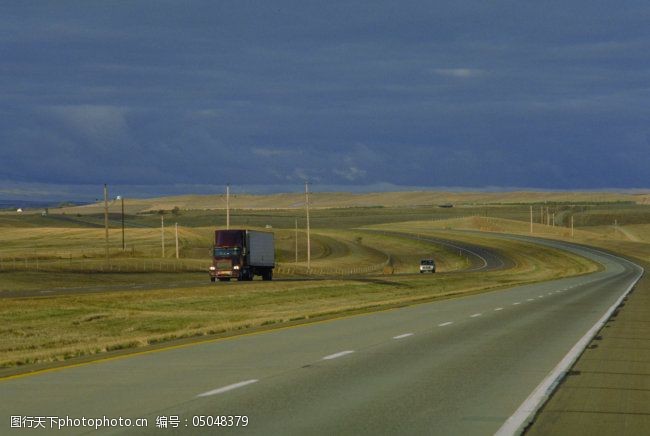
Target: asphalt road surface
{"type": "Point", "coordinates": [454, 367]}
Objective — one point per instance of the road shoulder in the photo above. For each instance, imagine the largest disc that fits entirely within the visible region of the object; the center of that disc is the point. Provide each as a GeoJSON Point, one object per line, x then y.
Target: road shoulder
{"type": "Point", "coordinates": [607, 391]}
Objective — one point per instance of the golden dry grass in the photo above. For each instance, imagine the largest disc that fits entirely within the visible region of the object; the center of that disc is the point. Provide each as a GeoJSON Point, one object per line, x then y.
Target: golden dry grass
{"type": "Point", "coordinates": [601, 236]}
{"type": "Point", "coordinates": [83, 249]}
{"type": "Point", "coordinates": [76, 242]}
{"type": "Point", "coordinates": [41, 330]}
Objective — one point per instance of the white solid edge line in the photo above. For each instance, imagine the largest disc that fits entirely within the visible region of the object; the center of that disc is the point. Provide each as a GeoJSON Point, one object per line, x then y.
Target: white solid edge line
{"type": "Point", "coordinates": [522, 416]}
{"type": "Point", "coordinates": [227, 388]}
{"type": "Point", "coordinates": [445, 323]}
{"type": "Point", "coordinates": [405, 335]}
{"type": "Point", "coordinates": [336, 355]}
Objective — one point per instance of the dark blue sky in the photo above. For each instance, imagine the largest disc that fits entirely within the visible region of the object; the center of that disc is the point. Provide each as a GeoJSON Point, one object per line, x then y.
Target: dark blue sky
{"type": "Point", "coordinates": [166, 97]}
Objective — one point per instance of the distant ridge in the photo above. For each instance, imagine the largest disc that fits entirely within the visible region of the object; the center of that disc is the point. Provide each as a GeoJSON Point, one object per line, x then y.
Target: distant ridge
{"type": "Point", "coordinates": [35, 204]}
{"type": "Point", "coordinates": [379, 199]}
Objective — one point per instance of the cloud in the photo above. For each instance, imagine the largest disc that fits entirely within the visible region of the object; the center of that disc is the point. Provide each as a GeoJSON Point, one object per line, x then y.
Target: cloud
{"type": "Point", "coordinates": [273, 152]}
{"type": "Point", "coordinates": [463, 93]}
{"type": "Point", "coordinates": [461, 73]}
{"type": "Point", "coordinates": [350, 173]}
{"type": "Point", "coordinates": [93, 122]}
{"type": "Point", "coordinates": [207, 114]}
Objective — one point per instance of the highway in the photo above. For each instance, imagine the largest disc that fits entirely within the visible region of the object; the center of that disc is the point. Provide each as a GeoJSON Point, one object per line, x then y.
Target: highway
{"type": "Point", "coordinates": [460, 366]}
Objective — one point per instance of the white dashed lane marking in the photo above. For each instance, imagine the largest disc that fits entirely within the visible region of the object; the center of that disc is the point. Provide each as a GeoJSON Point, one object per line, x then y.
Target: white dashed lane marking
{"type": "Point", "coordinates": [227, 388]}
{"type": "Point", "coordinates": [337, 355]}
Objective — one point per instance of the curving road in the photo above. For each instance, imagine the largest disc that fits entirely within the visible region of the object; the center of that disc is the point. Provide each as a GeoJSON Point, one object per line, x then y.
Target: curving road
{"type": "Point", "coordinates": [480, 258]}
{"type": "Point", "coordinates": [461, 366]}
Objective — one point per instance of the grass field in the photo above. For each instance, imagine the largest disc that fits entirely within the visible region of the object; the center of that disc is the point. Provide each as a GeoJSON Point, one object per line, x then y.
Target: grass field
{"type": "Point", "coordinates": [82, 250]}
{"type": "Point", "coordinates": [629, 240]}
{"type": "Point", "coordinates": [61, 327]}
{"type": "Point", "coordinates": [48, 329]}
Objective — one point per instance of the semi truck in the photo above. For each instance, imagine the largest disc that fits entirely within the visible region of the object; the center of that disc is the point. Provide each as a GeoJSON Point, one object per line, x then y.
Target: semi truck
{"type": "Point", "coordinates": [242, 254]}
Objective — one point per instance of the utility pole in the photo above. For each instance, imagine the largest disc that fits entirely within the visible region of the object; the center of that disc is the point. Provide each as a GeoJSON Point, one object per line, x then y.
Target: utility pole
{"type": "Point", "coordinates": [176, 233]}
{"type": "Point", "coordinates": [228, 206]}
{"type": "Point", "coordinates": [296, 240]}
{"type": "Point", "coordinates": [308, 236]}
{"type": "Point", "coordinates": [123, 245]}
{"type": "Point", "coordinates": [553, 219]}
{"type": "Point", "coordinates": [531, 219]}
{"type": "Point", "coordinates": [162, 233]}
{"type": "Point", "coordinates": [106, 219]}
{"type": "Point", "coordinates": [572, 226]}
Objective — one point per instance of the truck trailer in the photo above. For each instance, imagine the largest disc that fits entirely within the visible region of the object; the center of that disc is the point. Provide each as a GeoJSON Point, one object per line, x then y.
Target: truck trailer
{"type": "Point", "coordinates": [242, 254]}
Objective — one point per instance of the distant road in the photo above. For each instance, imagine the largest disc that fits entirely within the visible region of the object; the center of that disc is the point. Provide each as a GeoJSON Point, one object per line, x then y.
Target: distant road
{"type": "Point", "coordinates": [480, 258]}
{"type": "Point", "coordinates": [460, 366]}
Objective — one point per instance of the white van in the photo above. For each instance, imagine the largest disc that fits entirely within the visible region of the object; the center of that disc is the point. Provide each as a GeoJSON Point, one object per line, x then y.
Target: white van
{"type": "Point", "coordinates": [427, 265]}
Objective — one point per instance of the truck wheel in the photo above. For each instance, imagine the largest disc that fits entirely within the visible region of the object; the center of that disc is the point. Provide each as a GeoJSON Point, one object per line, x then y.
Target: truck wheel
{"type": "Point", "coordinates": [267, 275]}
{"type": "Point", "coordinates": [224, 279]}
{"type": "Point", "coordinates": [213, 279]}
